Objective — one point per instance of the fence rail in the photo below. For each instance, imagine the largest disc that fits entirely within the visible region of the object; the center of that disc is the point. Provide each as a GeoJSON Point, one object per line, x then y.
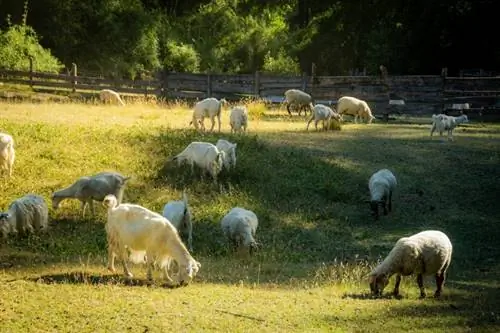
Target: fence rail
{"type": "Point", "coordinates": [423, 94]}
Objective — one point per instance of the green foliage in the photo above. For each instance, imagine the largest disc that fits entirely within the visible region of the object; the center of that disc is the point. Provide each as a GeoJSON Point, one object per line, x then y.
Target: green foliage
{"type": "Point", "coordinates": [18, 43]}
{"type": "Point", "coordinates": [181, 58]}
{"type": "Point", "coordinates": [282, 63]}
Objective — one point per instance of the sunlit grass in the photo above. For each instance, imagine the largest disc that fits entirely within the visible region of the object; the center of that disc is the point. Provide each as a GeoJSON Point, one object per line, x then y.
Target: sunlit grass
{"type": "Point", "coordinates": [308, 189]}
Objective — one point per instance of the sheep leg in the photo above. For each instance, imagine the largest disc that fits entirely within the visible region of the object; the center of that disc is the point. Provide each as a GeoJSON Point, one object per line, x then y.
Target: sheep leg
{"type": "Point", "coordinates": [396, 286]}
{"type": "Point", "coordinates": [288, 109]}
{"type": "Point", "coordinates": [213, 124]}
{"type": "Point", "coordinates": [150, 264]}
{"type": "Point", "coordinates": [92, 208]}
{"type": "Point", "coordinates": [309, 122]}
{"type": "Point", "coordinates": [218, 121]}
{"type": "Point", "coordinates": [111, 260]}
{"type": "Point", "coordinates": [420, 282]}
{"type": "Point", "coordinates": [83, 207]}
{"type": "Point", "coordinates": [450, 135]}
{"type": "Point", "coordinates": [433, 128]}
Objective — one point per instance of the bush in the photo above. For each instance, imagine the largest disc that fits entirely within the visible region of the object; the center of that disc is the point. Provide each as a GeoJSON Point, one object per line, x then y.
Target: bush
{"type": "Point", "coordinates": [19, 42]}
{"type": "Point", "coordinates": [181, 58]}
{"type": "Point", "coordinates": [281, 63]}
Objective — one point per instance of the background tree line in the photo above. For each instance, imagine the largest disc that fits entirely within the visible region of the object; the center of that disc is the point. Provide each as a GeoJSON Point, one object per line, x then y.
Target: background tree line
{"type": "Point", "coordinates": [130, 38]}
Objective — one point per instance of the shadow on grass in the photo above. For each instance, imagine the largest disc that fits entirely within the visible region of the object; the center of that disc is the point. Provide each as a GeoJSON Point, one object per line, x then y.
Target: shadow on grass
{"type": "Point", "coordinates": [95, 279]}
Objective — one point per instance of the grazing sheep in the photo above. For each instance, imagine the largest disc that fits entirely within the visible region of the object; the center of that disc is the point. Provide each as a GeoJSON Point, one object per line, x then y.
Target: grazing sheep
{"type": "Point", "coordinates": [229, 149]}
{"type": "Point", "coordinates": [355, 107]}
{"type": "Point", "coordinates": [295, 97]}
{"type": "Point", "coordinates": [425, 253]}
{"type": "Point", "coordinates": [7, 154]}
{"type": "Point", "coordinates": [179, 214]}
{"type": "Point", "coordinates": [90, 188]}
{"type": "Point", "coordinates": [381, 184]}
{"type": "Point", "coordinates": [442, 122]}
{"type": "Point", "coordinates": [239, 227]}
{"type": "Point", "coordinates": [238, 119]}
{"type": "Point", "coordinates": [324, 113]}
{"type": "Point", "coordinates": [147, 235]}
{"type": "Point", "coordinates": [209, 107]}
{"type": "Point", "coordinates": [205, 155]}
{"type": "Point", "coordinates": [25, 215]}
{"type": "Point", "coordinates": [110, 96]}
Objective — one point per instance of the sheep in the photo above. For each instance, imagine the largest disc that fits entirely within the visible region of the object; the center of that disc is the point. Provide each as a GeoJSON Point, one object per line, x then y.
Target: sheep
{"type": "Point", "coordinates": [425, 253]}
{"type": "Point", "coordinates": [25, 215]}
{"type": "Point", "coordinates": [179, 214]}
{"type": "Point", "coordinates": [381, 185]}
{"type": "Point", "coordinates": [209, 107]}
{"type": "Point", "coordinates": [229, 149]}
{"type": "Point", "coordinates": [7, 154]}
{"type": "Point", "coordinates": [295, 97]}
{"type": "Point", "coordinates": [442, 122]}
{"type": "Point", "coordinates": [238, 119]}
{"type": "Point", "coordinates": [205, 155]}
{"type": "Point", "coordinates": [354, 107]}
{"type": "Point", "coordinates": [90, 188]}
{"type": "Point", "coordinates": [324, 113]}
{"type": "Point", "coordinates": [146, 235]}
{"type": "Point", "coordinates": [110, 96]}
{"type": "Point", "coordinates": [239, 226]}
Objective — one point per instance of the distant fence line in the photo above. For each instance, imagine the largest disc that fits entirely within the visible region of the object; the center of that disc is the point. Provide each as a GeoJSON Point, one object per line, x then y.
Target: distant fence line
{"type": "Point", "coordinates": [422, 94]}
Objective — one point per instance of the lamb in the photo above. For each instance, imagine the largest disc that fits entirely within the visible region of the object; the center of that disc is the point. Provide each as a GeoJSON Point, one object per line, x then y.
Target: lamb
{"type": "Point", "coordinates": [229, 149]}
{"type": "Point", "coordinates": [355, 107]}
{"type": "Point", "coordinates": [90, 188]}
{"type": "Point", "coordinates": [179, 214]}
{"type": "Point", "coordinates": [7, 154]}
{"type": "Point", "coordinates": [425, 253]}
{"type": "Point", "coordinates": [110, 96]}
{"type": "Point", "coordinates": [209, 107]}
{"type": "Point", "coordinates": [295, 97]}
{"type": "Point", "coordinates": [25, 215]}
{"type": "Point", "coordinates": [324, 113]}
{"type": "Point", "coordinates": [238, 119]}
{"type": "Point", "coordinates": [147, 235]}
{"type": "Point", "coordinates": [239, 226]}
{"type": "Point", "coordinates": [205, 155]}
{"type": "Point", "coordinates": [381, 185]}
{"type": "Point", "coordinates": [442, 122]}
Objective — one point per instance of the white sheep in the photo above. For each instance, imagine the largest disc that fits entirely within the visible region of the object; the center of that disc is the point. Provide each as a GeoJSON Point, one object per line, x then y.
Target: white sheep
{"type": "Point", "coordinates": [238, 119]}
{"type": "Point", "coordinates": [298, 98]}
{"type": "Point", "coordinates": [205, 155]}
{"type": "Point", "coordinates": [425, 253]}
{"type": "Point", "coordinates": [209, 107]}
{"type": "Point", "coordinates": [355, 107]}
{"type": "Point", "coordinates": [25, 215]}
{"type": "Point", "coordinates": [88, 189]}
{"type": "Point", "coordinates": [110, 96]}
{"type": "Point", "coordinates": [179, 214]}
{"type": "Point", "coordinates": [239, 226]}
{"type": "Point", "coordinates": [442, 122]}
{"type": "Point", "coordinates": [323, 113]}
{"type": "Point", "coordinates": [381, 185]}
{"type": "Point", "coordinates": [7, 154]}
{"type": "Point", "coordinates": [133, 231]}
{"type": "Point", "coordinates": [229, 149]}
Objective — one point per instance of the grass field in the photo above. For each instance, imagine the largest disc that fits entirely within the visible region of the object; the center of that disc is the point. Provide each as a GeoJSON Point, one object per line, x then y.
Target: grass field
{"type": "Point", "coordinates": [309, 191]}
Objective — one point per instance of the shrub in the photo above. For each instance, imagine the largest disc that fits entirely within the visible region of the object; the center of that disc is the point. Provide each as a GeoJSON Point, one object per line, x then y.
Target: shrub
{"type": "Point", "coordinates": [19, 42]}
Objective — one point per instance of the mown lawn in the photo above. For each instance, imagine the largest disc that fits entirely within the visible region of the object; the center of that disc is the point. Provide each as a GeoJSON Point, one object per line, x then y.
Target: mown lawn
{"type": "Point", "coordinates": [309, 191]}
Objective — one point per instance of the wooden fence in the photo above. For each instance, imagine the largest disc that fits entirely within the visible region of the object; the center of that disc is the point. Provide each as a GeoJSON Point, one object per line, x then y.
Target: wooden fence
{"type": "Point", "coordinates": [422, 94]}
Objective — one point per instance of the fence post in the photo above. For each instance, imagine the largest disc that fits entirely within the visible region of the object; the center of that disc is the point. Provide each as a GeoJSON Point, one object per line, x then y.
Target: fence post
{"type": "Point", "coordinates": [209, 84]}
{"type": "Point", "coordinates": [256, 88]}
{"type": "Point", "coordinates": [31, 71]}
{"type": "Point", "coordinates": [304, 81]}
{"type": "Point", "coordinates": [74, 74]}
{"type": "Point", "coordinates": [444, 74]}
{"type": "Point", "coordinates": [313, 77]}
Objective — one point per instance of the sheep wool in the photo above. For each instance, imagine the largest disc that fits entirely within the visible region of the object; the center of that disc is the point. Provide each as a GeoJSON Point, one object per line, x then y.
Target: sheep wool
{"type": "Point", "coordinates": [442, 122]}
{"type": "Point", "coordinates": [179, 214]}
{"type": "Point", "coordinates": [7, 154]}
{"type": "Point", "coordinates": [355, 107]}
{"type": "Point", "coordinates": [425, 253]}
{"type": "Point", "coordinates": [298, 98]}
{"type": "Point", "coordinates": [25, 215]}
{"type": "Point", "coordinates": [381, 185]}
{"type": "Point", "coordinates": [238, 119]}
{"type": "Point", "coordinates": [230, 150]}
{"type": "Point", "coordinates": [239, 226]}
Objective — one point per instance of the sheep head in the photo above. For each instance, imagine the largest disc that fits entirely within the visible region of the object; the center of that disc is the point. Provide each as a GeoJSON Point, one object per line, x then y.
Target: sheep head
{"type": "Point", "coordinates": [110, 201]}
{"type": "Point", "coordinates": [4, 224]}
{"type": "Point", "coordinates": [378, 283]}
{"type": "Point", "coordinates": [187, 273]}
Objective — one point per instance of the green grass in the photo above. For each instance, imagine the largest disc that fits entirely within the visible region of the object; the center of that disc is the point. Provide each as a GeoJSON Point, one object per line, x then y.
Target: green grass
{"type": "Point", "coordinates": [308, 189]}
